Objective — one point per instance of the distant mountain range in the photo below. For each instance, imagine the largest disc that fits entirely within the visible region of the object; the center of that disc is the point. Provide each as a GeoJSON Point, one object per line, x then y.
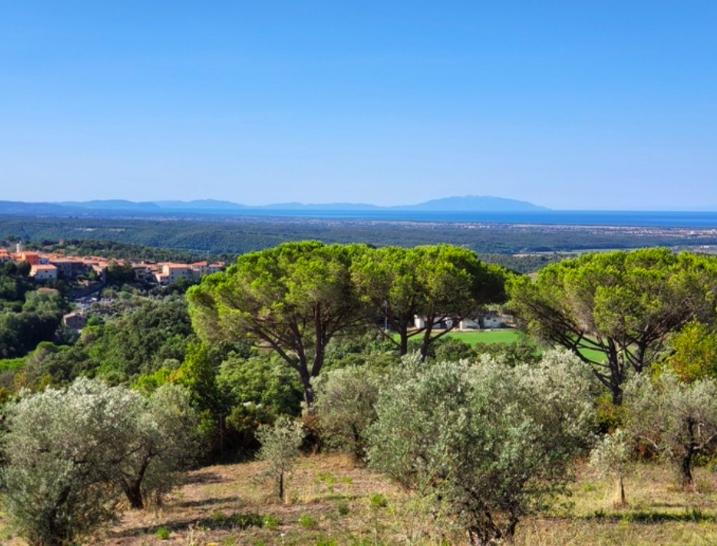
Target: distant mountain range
{"type": "Point", "coordinates": [470, 203]}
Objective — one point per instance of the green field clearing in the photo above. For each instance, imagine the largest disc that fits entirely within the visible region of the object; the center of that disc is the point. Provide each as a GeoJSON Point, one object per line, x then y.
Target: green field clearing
{"type": "Point", "coordinates": [507, 335]}
{"type": "Point", "coordinates": [488, 336]}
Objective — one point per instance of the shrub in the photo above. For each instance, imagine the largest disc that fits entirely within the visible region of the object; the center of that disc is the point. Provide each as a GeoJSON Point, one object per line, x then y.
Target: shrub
{"type": "Point", "coordinates": [62, 451]}
{"type": "Point", "coordinates": [165, 442]}
{"type": "Point", "coordinates": [280, 445]}
{"type": "Point", "coordinates": [307, 521]}
{"type": "Point", "coordinates": [345, 401]}
{"type": "Point", "coordinates": [678, 419]}
{"type": "Point", "coordinates": [611, 457]}
{"type": "Point", "coordinates": [72, 453]}
{"type": "Point", "coordinates": [494, 442]}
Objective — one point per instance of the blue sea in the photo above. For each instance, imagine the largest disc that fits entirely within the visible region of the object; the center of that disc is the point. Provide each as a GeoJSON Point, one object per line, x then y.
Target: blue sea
{"type": "Point", "coordinates": [566, 218]}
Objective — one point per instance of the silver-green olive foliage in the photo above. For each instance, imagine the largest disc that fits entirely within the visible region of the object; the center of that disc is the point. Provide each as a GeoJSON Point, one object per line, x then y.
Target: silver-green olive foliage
{"type": "Point", "coordinates": [493, 442]}
{"type": "Point", "coordinates": [280, 450]}
{"type": "Point", "coordinates": [70, 452]}
{"type": "Point", "coordinates": [678, 419]}
{"type": "Point", "coordinates": [345, 406]}
{"type": "Point", "coordinates": [621, 306]}
{"type": "Point", "coordinates": [165, 442]}
{"type": "Point", "coordinates": [61, 451]}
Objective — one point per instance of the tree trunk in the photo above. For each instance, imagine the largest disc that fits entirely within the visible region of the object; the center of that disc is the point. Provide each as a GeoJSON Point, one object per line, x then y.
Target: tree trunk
{"type": "Point", "coordinates": [403, 349]}
{"type": "Point", "coordinates": [133, 492]}
{"type": "Point", "coordinates": [480, 537]}
{"type": "Point", "coordinates": [484, 531]}
{"type": "Point", "coordinates": [617, 395]}
{"type": "Point", "coordinates": [620, 492]}
{"type": "Point", "coordinates": [686, 469]}
{"type": "Point", "coordinates": [308, 388]}
{"type": "Point", "coordinates": [427, 338]}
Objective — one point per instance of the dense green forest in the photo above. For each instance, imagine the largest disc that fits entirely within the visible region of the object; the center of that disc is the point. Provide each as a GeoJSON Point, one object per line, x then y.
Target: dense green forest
{"type": "Point", "coordinates": [113, 249]}
{"type": "Point", "coordinates": [238, 237]}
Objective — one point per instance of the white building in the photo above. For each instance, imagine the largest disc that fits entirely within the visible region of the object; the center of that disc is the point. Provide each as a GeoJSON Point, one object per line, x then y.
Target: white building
{"type": "Point", "coordinates": [43, 272]}
{"type": "Point", "coordinates": [176, 272]}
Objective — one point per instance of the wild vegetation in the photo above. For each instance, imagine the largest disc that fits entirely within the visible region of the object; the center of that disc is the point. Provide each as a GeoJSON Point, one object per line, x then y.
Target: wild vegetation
{"type": "Point", "coordinates": [236, 235]}
{"type": "Point", "coordinates": [366, 427]}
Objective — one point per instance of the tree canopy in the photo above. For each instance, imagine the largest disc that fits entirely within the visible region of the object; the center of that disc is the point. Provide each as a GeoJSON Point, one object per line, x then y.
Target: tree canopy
{"type": "Point", "coordinates": [616, 310]}
{"type": "Point", "coordinates": [293, 299]}
{"type": "Point", "coordinates": [444, 284]}
{"type": "Point", "coordinates": [491, 441]}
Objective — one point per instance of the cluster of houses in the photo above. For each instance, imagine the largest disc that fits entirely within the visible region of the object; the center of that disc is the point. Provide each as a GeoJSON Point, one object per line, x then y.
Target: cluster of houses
{"type": "Point", "coordinates": [51, 267]}
{"type": "Point", "coordinates": [169, 273]}
{"type": "Point", "coordinates": [488, 320]}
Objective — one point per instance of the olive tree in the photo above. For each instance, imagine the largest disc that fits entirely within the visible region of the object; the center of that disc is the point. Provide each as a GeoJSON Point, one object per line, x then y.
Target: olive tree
{"type": "Point", "coordinates": [611, 456]}
{"type": "Point", "coordinates": [678, 419]}
{"type": "Point", "coordinates": [293, 299]}
{"type": "Point", "coordinates": [616, 310]}
{"type": "Point", "coordinates": [62, 451]}
{"type": "Point", "coordinates": [494, 442]}
{"type": "Point", "coordinates": [345, 406]}
{"type": "Point", "coordinates": [280, 449]}
{"type": "Point", "coordinates": [165, 442]}
{"type": "Point", "coordinates": [71, 454]}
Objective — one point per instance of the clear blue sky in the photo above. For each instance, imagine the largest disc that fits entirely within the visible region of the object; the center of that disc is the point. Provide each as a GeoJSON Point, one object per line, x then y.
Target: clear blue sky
{"type": "Point", "coordinates": [571, 104]}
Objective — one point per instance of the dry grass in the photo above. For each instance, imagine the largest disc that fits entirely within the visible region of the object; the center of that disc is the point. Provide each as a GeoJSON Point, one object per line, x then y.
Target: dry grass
{"type": "Point", "coordinates": [333, 502]}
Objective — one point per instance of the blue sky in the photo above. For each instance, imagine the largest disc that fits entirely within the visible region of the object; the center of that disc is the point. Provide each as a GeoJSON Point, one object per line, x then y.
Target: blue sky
{"type": "Point", "coordinates": [576, 105]}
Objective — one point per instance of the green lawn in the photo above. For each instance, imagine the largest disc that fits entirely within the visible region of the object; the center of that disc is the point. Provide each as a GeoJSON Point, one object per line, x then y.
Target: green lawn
{"type": "Point", "coordinates": [505, 335]}
{"type": "Point", "coordinates": [487, 336]}
{"type": "Point", "coordinates": [508, 336]}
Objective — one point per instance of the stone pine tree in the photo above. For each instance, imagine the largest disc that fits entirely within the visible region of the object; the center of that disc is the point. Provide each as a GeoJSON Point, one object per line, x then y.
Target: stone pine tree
{"type": "Point", "coordinates": [293, 298]}
{"type": "Point", "coordinates": [616, 310]}
{"type": "Point", "coordinates": [443, 284]}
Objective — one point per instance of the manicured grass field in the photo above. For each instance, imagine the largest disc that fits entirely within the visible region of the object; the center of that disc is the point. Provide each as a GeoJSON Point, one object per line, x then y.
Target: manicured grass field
{"type": "Point", "coordinates": [488, 336]}
{"type": "Point", "coordinates": [507, 335]}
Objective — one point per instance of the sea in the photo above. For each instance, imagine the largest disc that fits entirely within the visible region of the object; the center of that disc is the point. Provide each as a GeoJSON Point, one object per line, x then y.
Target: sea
{"type": "Point", "coordinates": [657, 219]}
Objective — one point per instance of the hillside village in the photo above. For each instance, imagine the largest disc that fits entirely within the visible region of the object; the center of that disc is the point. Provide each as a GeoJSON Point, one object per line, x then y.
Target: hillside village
{"type": "Point", "coordinates": [50, 267]}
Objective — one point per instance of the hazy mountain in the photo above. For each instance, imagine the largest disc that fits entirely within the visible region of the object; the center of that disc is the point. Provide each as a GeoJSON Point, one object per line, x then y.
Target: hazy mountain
{"type": "Point", "coordinates": [473, 203]}
{"type": "Point", "coordinates": [470, 203]}
{"type": "Point", "coordinates": [20, 207]}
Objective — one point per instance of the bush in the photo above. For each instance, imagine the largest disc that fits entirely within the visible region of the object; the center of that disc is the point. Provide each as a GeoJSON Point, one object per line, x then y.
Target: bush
{"type": "Point", "coordinates": [611, 457]}
{"type": "Point", "coordinates": [165, 442]}
{"type": "Point", "coordinates": [61, 452]}
{"type": "Point", "coordinates": [307, 521]}
{"type": "Point", "coordinates": [280, 445]}
{"type": "Point", "coordinates": [494, 442]}
{"type": "Point", "coordinates": [345, 401]}
{"type": "Point", "coordinates": [72, 453]}
{"type": "Point", "coordinates": [678, 419]}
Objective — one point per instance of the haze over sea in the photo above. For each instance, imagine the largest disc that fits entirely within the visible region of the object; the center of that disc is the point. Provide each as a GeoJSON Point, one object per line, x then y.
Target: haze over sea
{"type": "Point", "coordinates": [657, 219]}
